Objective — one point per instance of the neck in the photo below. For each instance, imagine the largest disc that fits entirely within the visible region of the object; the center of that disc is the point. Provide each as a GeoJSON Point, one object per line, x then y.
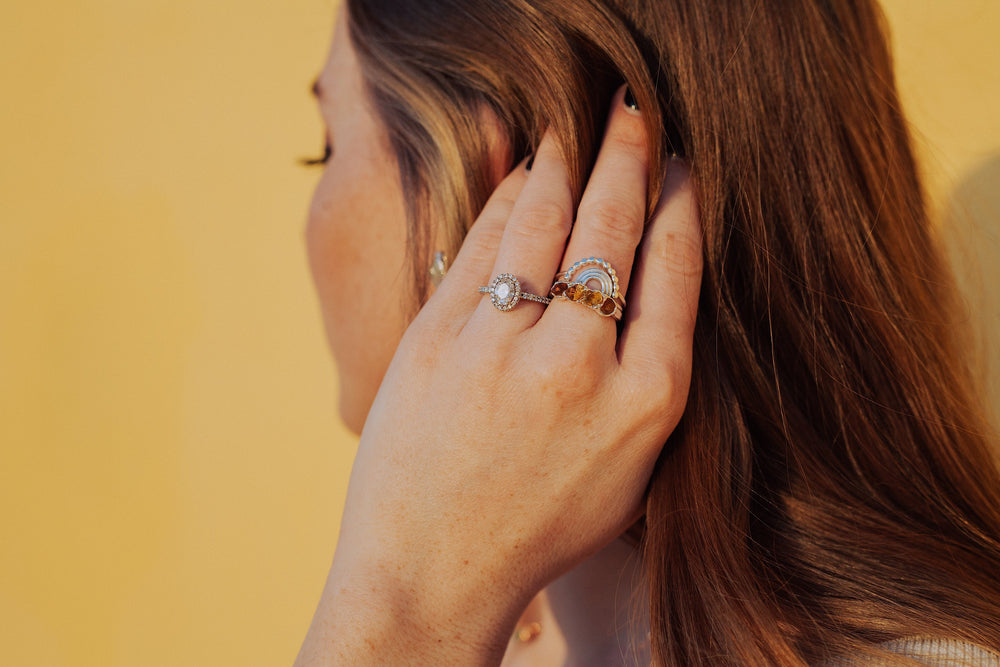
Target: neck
{"type": "Point", "coordinates": [602, 610]}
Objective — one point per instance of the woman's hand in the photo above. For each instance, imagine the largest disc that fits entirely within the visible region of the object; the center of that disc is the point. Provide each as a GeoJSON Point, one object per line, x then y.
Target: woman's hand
{"type": "Point", "coordinates": [505, 447]}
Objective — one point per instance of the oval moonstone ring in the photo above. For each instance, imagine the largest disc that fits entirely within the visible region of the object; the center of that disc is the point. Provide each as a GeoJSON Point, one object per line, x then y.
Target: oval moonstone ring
{"type": "Point", "coordinates": [505, 292]}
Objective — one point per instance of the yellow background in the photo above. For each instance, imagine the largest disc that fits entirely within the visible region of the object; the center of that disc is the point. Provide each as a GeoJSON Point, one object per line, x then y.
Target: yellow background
{"type": "Point", "coordinates": [172, 466]}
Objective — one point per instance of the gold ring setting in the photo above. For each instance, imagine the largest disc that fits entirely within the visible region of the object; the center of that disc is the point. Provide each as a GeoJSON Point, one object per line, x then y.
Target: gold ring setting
{"type": "Point", "coordinates": [593, 283]}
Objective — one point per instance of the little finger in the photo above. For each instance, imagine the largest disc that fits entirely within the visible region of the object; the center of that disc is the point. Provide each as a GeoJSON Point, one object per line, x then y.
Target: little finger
{"type": "Point", "coordinates": [656, 343]}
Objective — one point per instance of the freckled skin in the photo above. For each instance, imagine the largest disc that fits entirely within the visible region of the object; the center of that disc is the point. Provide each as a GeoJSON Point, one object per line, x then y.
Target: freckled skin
{"type": "Point", "coordinates": [356, 233]}
{"type": "Point", "coordinates": [356, 237]}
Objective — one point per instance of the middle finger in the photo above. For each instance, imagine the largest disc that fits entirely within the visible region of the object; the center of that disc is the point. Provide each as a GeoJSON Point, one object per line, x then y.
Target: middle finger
{"type": "Point", "coordinates": [535, 235]}
{"type": "Point", "coordinates": [612, 213]}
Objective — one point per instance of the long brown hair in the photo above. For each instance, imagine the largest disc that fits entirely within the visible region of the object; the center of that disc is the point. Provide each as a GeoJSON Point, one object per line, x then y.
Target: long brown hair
{"type": "Point", "coordinates": [831, 485]}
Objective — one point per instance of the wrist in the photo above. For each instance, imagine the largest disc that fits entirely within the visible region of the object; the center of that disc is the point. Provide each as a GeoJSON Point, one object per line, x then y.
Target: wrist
{"type": "Point", "coordinates": [378, 612]}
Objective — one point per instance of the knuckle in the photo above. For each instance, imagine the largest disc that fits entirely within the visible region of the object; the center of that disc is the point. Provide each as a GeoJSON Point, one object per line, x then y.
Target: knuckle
{"type": "Point", "coordinates": [614, 212]}
{"type": "Point", "coordinates": [680, 253]}
{"type": "Point", "coordinates": [661, 403]}
{"type": "Point", "coordinates": [423, 344]}
{"type": "Point", "coordinates": [630, 136]}
{"type": "Point", "coordinates": [542, 217]}
{"type": "Point", "coordinates": [586, 375]}
{"type": "Point", "coordinates": [498, 210]}
{"type": "Point", "coordinates": [566, 379]}
{"type": "Point", "coordinates": [673, 391]}
{"type": "Point", "coordinates": [483, 365]}
{"type": "Point", "coordinates": [484, 239]}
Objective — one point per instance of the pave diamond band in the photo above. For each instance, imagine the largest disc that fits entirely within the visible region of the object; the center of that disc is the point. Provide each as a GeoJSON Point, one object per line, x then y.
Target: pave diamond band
{"type": "Point", "coordinates": [505, 292]}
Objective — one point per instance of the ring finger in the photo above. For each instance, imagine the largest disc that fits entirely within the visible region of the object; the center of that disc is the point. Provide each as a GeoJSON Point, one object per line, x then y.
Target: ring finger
{"type": "Point", "coordinates": [535, 235]}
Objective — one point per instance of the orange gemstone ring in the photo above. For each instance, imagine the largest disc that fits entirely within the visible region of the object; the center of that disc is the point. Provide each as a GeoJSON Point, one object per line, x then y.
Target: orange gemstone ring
{"type": "Point", "coordinates": [505, 292]}
{"type": "Point", "coordinates": [592, 282]}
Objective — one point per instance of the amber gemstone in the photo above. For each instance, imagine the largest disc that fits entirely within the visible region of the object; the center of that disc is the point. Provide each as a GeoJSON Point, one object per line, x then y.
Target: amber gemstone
{"type": "Point", "coordinates": [575, 291]}
{"type": "Point", "coordinates": [593, 298]}
{"type": "Point", "coordinates": [609, 307]}
{"type": "Point", "coordinates": [558, 289]}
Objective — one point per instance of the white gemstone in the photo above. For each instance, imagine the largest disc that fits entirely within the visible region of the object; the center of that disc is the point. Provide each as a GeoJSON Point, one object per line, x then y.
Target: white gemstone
{"type": "Point", "coordinates": [502, 291]}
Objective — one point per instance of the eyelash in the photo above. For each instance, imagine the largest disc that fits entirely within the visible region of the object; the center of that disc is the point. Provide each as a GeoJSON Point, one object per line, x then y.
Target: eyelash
{"type": "Point", "coordinates": [319, 161]}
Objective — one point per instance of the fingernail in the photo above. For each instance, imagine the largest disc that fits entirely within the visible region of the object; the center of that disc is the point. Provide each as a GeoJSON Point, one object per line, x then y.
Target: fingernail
{"type": "Point", "coordinates": [630, 100]}
{"type": "Point", "coordinates": [530, 162]}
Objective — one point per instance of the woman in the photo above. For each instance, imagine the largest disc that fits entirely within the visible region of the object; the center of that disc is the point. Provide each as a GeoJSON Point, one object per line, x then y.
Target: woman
{"type": "Point", "coordinates": [782, 427]}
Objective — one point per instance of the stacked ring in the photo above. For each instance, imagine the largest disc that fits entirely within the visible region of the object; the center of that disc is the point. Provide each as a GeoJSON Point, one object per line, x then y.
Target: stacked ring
{"type": "Point", "coordinates": [576, 284]}
{"type": "Point", "coordinates": [505, 292]}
